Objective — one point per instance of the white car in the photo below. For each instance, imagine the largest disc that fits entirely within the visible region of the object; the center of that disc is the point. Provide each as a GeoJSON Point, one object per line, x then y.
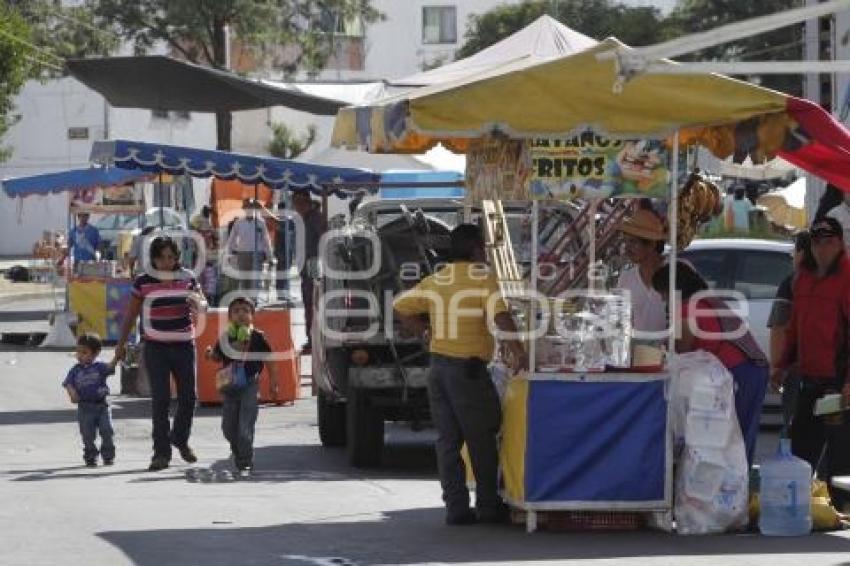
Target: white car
{"type": "Point", "coordinates": [754, 268]}
{"type": "Point", "coordinates": [111, 226]}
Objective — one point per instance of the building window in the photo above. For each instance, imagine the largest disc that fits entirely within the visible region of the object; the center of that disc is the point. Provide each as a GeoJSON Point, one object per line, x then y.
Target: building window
{"type": "Point", "coordinates": [78, 133]}
{"type": "Point", "coordinates": [329, 21]}
{"type": "Point", "coordinates": [439, 24]}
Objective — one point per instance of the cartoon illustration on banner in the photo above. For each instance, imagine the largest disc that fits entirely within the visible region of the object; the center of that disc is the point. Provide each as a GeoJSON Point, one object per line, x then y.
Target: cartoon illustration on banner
{"type": "Point", "coordinates": [591, 166]}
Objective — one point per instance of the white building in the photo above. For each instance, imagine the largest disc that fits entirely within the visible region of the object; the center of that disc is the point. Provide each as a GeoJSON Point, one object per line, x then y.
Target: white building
{"type": "Point", "coordinates": [417, 35]}
{"type": "Point", "coordinates": [61, 118]}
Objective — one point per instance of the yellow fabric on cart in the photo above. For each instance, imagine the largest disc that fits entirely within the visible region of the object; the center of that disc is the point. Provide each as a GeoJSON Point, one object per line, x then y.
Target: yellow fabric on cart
{"type": "Point", "coordinates": [514, 433]}
{"type": "Point", "coordinates": [532, 99]}
{"type": "Point", "coordinates": [88, 301]}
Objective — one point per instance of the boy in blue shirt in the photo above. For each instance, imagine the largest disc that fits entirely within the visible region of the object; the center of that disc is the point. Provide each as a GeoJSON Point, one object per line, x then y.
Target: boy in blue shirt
{"type": "Point", "coordinates": [86, 386]}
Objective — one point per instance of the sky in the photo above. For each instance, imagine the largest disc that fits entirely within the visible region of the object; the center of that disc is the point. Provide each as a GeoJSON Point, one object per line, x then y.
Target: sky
{"type": "Point", "coordinates": [664, 5]}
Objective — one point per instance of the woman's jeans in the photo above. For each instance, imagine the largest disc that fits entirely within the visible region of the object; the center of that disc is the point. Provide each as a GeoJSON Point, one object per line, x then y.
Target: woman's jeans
{"type": "Point", "coordinates": [162, 360]}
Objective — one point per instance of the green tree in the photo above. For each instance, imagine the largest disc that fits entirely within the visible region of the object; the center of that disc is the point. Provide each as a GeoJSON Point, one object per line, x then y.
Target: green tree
{"type": "Point", "coordinates": [595, 18]}
{"type": "Point", "coordinates": [65, 32]}
{"type": "Point", "coordinates": [786, 43]}
{"type": "Point", "coordinates": [285, 144]}
{"type": "Point", "coordinates": [18, 59]}
{"type": "Point", "coordinates": [197, 30]}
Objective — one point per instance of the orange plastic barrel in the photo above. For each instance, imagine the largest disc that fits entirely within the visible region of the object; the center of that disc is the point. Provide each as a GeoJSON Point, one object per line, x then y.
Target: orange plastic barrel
{"type": "Point", "coordinates": [275, 323]}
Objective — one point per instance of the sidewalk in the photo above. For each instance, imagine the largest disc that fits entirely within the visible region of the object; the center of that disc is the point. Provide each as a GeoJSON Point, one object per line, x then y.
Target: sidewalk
{"type": "Point", "coordinates": [11, 292]}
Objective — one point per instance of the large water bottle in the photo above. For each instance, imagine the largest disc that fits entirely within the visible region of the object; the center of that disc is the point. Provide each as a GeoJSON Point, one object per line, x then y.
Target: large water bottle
{"type": "Point", "coordinates": [786, 487]}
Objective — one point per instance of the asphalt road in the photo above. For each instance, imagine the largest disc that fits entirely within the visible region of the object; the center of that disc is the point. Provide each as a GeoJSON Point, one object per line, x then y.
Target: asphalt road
{"type": "Point", "coordinates": [304, 506]}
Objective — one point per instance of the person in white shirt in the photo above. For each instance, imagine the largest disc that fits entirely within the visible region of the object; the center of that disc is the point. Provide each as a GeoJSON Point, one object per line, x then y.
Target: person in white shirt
{"type": "Point", "coordinates": [250, 243]}
{"type": "Point", "coordinates": [644, 236]}
{"type": "Point", "coordinates": [842, 214]}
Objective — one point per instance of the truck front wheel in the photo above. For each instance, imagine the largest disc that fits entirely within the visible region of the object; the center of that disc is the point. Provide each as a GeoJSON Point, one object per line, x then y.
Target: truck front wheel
{"type": "Point", "coordinates": [365, 432]}
{"type": "Point", "coordinates": [331, 417]}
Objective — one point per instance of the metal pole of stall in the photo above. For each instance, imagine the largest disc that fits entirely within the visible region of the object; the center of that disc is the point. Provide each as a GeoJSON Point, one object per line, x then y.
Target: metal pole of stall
{"type": "Point", "coordinates": [69, 259]}
{"type": "Point", "coordinates": [161, 203]}
{"type": "Point", "coordinates": [532, 322]}
{"type": "Point", "coordinates": [673, 215]}
{"type": "Point", "coordinates": [254, 255]}
{"type": "Point", "coordinates": [593, 207]}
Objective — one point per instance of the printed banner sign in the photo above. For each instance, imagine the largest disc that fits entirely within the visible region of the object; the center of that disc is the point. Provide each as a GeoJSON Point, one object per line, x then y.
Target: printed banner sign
{"type": "Point", "coordinates": [592, 166]}
{"type": "Point", "coordinates": [127, 198]}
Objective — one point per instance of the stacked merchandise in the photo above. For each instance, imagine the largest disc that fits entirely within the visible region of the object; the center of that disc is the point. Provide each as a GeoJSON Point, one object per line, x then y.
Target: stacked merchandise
{"type": "Point", "coordinates": [711, 481]}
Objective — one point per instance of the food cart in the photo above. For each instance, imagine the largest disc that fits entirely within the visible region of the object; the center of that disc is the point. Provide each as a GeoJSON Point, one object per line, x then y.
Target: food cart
{"type": "Point", "coordinates": [272, 316]}
{"type": "Point", "coordinates": [97, 291]}
{"type": "Point", "coordinates": [575, 439]}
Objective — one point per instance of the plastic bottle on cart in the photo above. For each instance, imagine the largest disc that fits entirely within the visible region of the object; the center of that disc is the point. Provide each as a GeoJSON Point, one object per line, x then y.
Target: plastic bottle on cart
{"type": "Point", "coordinates": [785, 493]}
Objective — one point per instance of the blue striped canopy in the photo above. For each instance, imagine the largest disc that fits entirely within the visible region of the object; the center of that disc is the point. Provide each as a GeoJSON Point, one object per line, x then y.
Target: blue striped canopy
{"type": "Point", "coordinates": [275, 173]}
{"type": "Point", "coordinates": [71, 181]}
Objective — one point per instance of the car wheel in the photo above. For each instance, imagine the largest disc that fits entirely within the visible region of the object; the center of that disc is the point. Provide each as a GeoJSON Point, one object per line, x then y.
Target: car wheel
{"type": "Point", "coordinates": [365, 430]}
{"type": "Point", "coordinates": [331, 417]}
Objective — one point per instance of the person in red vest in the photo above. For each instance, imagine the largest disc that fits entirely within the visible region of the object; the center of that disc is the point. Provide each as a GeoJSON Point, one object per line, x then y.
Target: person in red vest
{"type": "Point", "coordinates": [817, 339]}
{"type": "Point", "coordinates": [707, 324]}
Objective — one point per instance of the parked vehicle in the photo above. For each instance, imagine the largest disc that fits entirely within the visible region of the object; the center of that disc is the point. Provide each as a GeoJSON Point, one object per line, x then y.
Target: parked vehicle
{"type": "Point", "coordinates": [367, 369]}
{"type": "Point", "coordinates": [111, 226]}
{"type": "Point", "coordinates": [754, 268]}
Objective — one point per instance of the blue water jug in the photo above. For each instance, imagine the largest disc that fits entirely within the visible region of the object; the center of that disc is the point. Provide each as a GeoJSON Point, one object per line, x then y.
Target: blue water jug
{"type": "Point", "coordinates": [786, 488]}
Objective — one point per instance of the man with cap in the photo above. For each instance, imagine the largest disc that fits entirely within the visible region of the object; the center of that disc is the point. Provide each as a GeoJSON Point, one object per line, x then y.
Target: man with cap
{"type": "Point", "coordinates": [841, 213]}
{"type": "Point", "coordinates": [644, 236]}
{"type": "Point", "coordinates": [84, 239]}
{"type": "Point", "coordinates": [817, 339]}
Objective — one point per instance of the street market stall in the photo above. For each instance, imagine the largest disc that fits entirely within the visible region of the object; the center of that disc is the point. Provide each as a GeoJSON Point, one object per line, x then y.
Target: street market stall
{"type": "Point", "coordinates": [578, 437]}
{"type": "Point", "coordinates": [97, 291]}
{"type": "Point", "coordinates": [259, 173]}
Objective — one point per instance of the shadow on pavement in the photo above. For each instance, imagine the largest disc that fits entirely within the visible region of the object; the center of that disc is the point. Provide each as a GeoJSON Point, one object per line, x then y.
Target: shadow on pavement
{"type": "Point", "coordinates": [286, 463]}
{"type": "Point", "coordinates": [70, 473]}
{"type": "Point", "coordinates": [419, 536]}
{"type": "Point", "coordinates": [122, 408]}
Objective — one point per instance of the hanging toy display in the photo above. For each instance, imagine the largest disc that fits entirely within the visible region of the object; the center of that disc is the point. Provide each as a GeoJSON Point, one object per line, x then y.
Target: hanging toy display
{"type": "Point", "coordinates": [699, 202]}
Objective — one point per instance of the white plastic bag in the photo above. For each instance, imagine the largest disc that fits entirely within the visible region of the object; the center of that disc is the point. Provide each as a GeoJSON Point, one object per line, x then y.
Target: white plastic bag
{"type": "Point", "coordinates": [500, 375]}
{"type": "Point", "coordinates": [711, 480]}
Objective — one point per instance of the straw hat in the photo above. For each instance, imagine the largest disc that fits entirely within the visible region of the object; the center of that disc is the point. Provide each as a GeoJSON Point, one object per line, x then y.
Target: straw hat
{"type": "Point", "coordinates": [644, 224]}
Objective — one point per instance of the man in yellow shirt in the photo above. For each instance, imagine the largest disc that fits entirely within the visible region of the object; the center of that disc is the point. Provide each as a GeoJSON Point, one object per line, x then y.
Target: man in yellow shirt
{"type": "Point", "coordinates": [463, 303]}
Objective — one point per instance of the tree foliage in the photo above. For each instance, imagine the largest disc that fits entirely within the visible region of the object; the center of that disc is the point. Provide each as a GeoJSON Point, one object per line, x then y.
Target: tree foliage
{"type": "Point", "coordinates": [595, 18]}
{"type": "Point", "coordinates": [291, 34]}
{"type": "Point", "coordinates": [17, 61]}
{"type": "Point", "coordinates": [196, 28]}
{"type": "Point", "coordinates": [645, 26]}
{"type": "Point", "coordinates": [65, 32]}
{"type": "Point", "coordinates": [285, 144]}
{"type": "Point", "coordinates": [785, 43]}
